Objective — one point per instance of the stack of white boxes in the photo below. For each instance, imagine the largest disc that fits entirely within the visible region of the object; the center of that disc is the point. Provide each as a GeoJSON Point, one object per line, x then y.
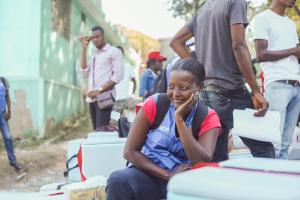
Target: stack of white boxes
{"type": "Point", "coordinates": [243, 178]}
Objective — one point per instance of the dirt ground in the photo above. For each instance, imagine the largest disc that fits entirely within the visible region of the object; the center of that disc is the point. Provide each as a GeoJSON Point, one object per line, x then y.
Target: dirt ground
{"type": "Point", "coordinates": [44, 161]}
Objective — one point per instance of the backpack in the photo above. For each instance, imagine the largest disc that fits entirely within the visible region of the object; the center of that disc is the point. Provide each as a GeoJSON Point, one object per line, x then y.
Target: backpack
{"type": "Point", "coordinates": [162, 105]}
{"type": "Point", "coordinates": [123, 127]}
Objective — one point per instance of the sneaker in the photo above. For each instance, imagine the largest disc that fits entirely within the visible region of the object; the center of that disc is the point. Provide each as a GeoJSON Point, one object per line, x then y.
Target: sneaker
{"type": "Point", "coordinates": [17, 166]}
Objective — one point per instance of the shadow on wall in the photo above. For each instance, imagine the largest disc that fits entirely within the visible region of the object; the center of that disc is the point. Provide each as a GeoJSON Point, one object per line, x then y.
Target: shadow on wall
{"type": "Point", "coordinates": [21, 120]}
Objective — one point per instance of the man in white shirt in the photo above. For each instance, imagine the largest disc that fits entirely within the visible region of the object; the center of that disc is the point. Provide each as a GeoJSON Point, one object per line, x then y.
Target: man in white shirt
{"type": "Point", "coordinates": [277, 49]}
{"type": "Point", "coordinates": [130, 74]}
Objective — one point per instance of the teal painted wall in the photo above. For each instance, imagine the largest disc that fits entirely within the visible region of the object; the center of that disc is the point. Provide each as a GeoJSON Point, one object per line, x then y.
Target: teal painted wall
{"type": "Point", "coordinates": [20, 37]}
{"type": "Point", "coordinates": [60, 60]}
{"type": "Point", "coordinates": [41, 65]}
{"type": "Point", "coordinates": [20, 59]}
{"type": "Point", "coordinates": [27, 108]}
{"type": "Point", "coordinates": [57, 58]}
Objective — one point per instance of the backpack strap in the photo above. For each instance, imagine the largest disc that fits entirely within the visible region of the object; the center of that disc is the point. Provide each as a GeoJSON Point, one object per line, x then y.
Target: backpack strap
{"type": "Point", "coordinates": [200, 114]}
{"type": "Point", "coordinates": [66, 173]}
{"type": "Point", "coordinates": [162, 105]}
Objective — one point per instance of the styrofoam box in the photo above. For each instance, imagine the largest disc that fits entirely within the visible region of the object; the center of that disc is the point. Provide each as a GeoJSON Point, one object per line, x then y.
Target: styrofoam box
{"type": "Point", "coordinates": [231, 184]}
{"type": "Point", "coordinates": [73, 148]}
{"type": "Point", "coordinates": [100, 134]}
{"type": "Point", "coordinates": [102, 156]}
{"type": "Point", "coordinates": [115, 115]}
{"type": "Point", "coordinates": [92, 188]}
{"type": "Point", "coordinates": [294, 152]}
{"type": "Point", "coordinates": [264, 164]}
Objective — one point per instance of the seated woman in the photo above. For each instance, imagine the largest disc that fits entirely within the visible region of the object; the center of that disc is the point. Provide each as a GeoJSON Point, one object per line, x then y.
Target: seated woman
{"type": "Point", "coordinates": [156, 154]}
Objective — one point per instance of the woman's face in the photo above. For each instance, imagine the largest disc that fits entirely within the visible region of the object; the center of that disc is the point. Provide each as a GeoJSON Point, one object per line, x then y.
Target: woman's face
{"type": "Point", "coordinates": [181, 86]}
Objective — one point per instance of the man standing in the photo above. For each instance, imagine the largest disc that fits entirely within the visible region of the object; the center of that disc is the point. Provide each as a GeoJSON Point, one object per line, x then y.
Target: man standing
{"type": "Point", "coordinates": [219, 31]}
{"type": "Point", "coordinates": [276, 43]}
{"type": "Point", "coordinates": [104, 70]}
{"type": "Point", "coordinates": [5, 114]}
{"type": "Point", "coordinates": [154, 65]}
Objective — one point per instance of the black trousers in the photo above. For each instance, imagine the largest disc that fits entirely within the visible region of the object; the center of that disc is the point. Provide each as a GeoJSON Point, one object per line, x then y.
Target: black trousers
{"type": "Point", "coordinates": [100, 117]}
{"type": "Point", "coordinates": [223, 102]}
{"type": "Point", "coordinates": [134, 184]}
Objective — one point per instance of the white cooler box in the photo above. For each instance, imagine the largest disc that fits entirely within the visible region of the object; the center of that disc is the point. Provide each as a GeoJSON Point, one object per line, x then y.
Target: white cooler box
{"type": "Point", "coordinates": [229, 184]}
{"type": "Point", "coordinates": [264, 164]}
{"type": "Point", "coordinates": [102, 156]}
{"type": "Point", "coordinates": [73, 148]}
{"type": "Point", "coordinates": [101, 134]}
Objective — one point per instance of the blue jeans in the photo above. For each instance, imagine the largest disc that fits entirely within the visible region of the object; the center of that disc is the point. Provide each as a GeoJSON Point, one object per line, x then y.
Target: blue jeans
{"type": "Point", "coordinates": [223, 102]}
{"type": "Point", "coordinates": [132, 183]}
{"type": "Point", "coordinates": [7, 139]}
{"type": "Point", "coordinates": [285, 99]}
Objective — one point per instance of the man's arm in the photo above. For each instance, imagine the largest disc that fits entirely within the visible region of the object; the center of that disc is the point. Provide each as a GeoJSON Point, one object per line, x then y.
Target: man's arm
{"type": "Point", "coordinates": [84, 44]}
{"type": "Point", "coordinates": [179, 40]}
{"type": "Point", "coordinates": [108, 86]}
{"type": "Point", "coordinates": [263, 54]}
{"type": "Point", "coordinates": [242, 56]}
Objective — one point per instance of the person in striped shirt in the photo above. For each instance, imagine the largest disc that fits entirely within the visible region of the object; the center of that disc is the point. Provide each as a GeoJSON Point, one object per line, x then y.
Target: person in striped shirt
{"type": "Point", "coordinates": [104, 70]}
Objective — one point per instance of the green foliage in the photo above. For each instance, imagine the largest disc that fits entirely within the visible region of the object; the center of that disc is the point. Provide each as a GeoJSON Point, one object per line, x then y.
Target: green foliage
{"type": "Point", "coordinates": [184, 9]}
{"type": "Point", "coordinates": [142, 43]}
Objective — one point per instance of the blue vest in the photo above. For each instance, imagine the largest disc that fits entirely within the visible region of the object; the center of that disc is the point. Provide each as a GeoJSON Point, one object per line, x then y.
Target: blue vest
{"type": "Point", "coordinates": [2, 97]}
{"type": "Point", "coordinates": [162, 146]}
{"type": "Point", "coordinates": [149, 78]}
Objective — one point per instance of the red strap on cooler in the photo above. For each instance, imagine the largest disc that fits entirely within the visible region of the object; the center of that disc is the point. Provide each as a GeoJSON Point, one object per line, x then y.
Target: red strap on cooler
{"type": "Point", "coordinates": [55, 194]}
{"type": "Point", "coordinates": [79, 157]}
{"type": "Point", "coordinates": [208, 164]}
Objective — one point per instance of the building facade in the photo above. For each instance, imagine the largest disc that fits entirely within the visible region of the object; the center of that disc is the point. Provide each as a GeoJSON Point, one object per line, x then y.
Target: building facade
{"type": "Point", "coordinates": [40, 56]}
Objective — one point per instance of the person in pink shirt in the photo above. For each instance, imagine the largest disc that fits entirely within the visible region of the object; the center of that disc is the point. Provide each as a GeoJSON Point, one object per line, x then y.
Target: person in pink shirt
{"type": "Point", "coordinates": [104, 70]}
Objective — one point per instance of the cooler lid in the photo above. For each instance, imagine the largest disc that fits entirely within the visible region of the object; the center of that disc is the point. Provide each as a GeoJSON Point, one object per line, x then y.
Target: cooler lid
{"type": "Point", "coordinates": [105, 140]}
{"type": "Point", "coordinates": [103, 134]}
{"type": "Point", "coordinates": [230, 184]}
{"type": "Point", "coordinates": [264, 164]}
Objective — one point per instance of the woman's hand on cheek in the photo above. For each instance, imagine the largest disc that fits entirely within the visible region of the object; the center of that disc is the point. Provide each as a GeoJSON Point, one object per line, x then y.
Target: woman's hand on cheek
{"type": "Point", "coordinates": [186, 107]}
